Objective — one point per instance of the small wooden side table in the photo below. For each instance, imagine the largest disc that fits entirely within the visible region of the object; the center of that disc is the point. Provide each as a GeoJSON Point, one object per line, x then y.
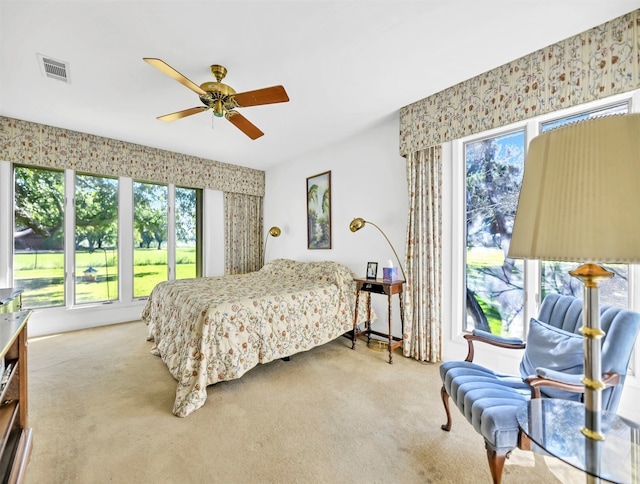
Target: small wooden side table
{"type": "Point", "coordinates": [378, 286]}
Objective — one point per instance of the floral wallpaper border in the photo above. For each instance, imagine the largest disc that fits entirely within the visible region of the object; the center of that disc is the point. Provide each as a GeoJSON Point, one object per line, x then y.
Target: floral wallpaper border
{"type": "Point", "coordinates": [37, 144]}
{"type": "Point", "coordinates": [595, 64]}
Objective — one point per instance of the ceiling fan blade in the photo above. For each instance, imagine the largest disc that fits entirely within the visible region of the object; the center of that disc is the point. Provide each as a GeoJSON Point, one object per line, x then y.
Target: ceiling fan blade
{"type": "Point", "coordinates": [182, 114]}
{"type": "Point", "coordinates": [268, 95]}
{"type": "Point", "coordinates": [244, 125]}
{"type": "Point", "coordinates": [162, 66]}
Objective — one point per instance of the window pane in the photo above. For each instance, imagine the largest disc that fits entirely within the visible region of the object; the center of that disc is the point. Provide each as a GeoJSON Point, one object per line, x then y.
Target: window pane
{"type": "Point", "coordinates": [555, 275]}
{"type": "Point", "coordinates": [96, 264]}
{"type": "Point", "coordinates": [616, 109]}
{"type": "Point", "coordinates": [150, 236]}
{"type": "Point", "coordinates": [494, 283]}
{"type": "Point", "coordinates": [187, 210]}
{"type": "Point", "coordinates": [611, 292]}
{"type": "Point", "coordinates": [38, 258]}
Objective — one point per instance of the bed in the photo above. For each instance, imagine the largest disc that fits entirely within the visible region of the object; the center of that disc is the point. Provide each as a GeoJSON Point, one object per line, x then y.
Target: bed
{"type": "Point", "coordinates": [213, 329]}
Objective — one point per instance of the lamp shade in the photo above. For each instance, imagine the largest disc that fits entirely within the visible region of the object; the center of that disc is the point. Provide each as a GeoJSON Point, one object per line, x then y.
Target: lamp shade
{"type": "Point", "coordinates": [273, 232]}
{"type": "Point", "coordinates": [356, 224]}
{"type": "Point", "coordinates": [580, 195]}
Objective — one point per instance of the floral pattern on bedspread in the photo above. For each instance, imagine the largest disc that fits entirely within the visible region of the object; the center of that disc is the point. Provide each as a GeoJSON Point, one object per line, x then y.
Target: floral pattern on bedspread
{"type": "Point", "coordinates": [214, 329]}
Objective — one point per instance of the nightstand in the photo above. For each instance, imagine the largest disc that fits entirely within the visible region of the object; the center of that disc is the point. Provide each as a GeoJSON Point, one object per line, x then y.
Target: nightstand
{"type": "Point", "coordinates": [378, 286]}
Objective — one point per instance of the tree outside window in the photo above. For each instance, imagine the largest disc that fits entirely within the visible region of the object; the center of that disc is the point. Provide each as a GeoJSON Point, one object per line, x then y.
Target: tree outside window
{"type": "Point", "coordinates": [494, 282]}
{"type": "Point", "coordinates": [150, 223]}
{"type": "Point", "coordinates": [96, 237]}
{"type": "Point", "coordinates": [187, 255]}
{"type": "Point", "coordinates": [38, 238]}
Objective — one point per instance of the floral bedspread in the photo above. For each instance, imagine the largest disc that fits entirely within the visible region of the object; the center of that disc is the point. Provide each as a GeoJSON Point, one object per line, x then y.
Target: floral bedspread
{"type": "Point", "coordinates": [214, 329]}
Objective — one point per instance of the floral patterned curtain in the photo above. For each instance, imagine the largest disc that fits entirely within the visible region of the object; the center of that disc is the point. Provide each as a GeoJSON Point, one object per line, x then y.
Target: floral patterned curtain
{"type": "Point", "coordinates": [243, 233]}
{"type": "Point", "coordinates": [41, 145]}
{"type": "Point", "coordinates": [595, 64]}
{"type": "Point", "coordinates": [422, 323]}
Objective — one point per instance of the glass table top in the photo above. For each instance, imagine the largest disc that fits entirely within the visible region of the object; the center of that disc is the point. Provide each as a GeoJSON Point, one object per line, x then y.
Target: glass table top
{"type": "Point", "coordinates": [554, 427]}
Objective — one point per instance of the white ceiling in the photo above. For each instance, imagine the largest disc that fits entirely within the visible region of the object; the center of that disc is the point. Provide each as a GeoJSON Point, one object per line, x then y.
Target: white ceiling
{"type": "Point", "coordinates": [346, 65]}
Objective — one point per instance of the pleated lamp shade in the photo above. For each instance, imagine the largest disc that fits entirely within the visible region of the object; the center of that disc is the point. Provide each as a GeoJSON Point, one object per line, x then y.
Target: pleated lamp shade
{"type": "Point", "coordinates": [580, 195]}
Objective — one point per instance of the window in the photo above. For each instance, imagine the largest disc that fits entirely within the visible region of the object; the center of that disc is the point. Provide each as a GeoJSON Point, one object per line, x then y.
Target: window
{"type": "Point", "coordinates": [96, 236]}
{"type": "Point", "coordinates": [555, 277]}
{"type": "Point", "coordinates": [38, 239]}
{"type": "Point", "coordinates": [499, 293]}
{"type": "Point", "coordinates": [150, 220]}
{"type": "Point", "coordinates": [49, 246]}
{"type": "Point", "coordinates": [494, 283]}
{"type": "Point", "coordinates": [188, 202]}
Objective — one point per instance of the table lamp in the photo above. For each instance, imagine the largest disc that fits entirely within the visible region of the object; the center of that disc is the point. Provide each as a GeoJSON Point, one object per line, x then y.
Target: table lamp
{"type": "Point", "coordinates": [273, 232]}
{"type": "Point", "coordinates": [357, 223]}
{"type": "Point", "coordinates": [579, 202]}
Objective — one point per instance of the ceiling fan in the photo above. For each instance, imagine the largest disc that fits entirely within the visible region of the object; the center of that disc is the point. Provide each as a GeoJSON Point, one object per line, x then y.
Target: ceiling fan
{"type": "Point", "coordinates": [222, 98]}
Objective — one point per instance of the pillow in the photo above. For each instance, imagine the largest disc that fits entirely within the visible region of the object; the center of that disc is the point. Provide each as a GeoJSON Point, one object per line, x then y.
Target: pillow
{"type": "Point", "coordinates": [552, 348]}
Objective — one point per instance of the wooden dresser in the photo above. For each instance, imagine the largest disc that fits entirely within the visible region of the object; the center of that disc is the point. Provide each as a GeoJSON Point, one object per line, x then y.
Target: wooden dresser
{"type": "Point", "coordinates": [15, 435]}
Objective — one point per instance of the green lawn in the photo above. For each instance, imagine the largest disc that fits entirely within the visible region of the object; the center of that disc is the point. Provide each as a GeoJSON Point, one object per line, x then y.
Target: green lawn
{"type": "Point", "coordinates": [42, 274]}
{"type": "Point", "coordinates": [480, 258]}
{"type": "Point", "coordinates": [484, 256]}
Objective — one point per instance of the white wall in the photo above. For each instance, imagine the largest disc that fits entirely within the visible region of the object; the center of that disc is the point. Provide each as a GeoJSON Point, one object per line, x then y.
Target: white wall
{"type": "Point", "coordinates": [367, 180]}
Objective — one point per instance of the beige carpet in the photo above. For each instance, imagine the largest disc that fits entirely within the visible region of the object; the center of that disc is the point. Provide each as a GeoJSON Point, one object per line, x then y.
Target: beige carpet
{"type": "Point", "coordinates": [100, 409]}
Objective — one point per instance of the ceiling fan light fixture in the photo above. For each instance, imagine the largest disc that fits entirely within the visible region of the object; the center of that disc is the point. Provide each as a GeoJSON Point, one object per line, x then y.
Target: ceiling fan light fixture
{"type": "Point", "coordinates": [218, 108]}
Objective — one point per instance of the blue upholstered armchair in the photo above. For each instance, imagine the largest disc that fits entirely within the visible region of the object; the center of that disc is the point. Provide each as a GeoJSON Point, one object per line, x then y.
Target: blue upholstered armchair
{"type": "Point", "coordinates": [551, 367]}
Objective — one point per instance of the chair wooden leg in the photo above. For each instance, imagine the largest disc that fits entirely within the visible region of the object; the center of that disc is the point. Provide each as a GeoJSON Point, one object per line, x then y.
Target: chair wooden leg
{"type": "Point", "coordinates": [524, 442]}
{"type": "Point", "coordinates": [445, 401]}
{"type": "Point", "coordinates": [496, 463]}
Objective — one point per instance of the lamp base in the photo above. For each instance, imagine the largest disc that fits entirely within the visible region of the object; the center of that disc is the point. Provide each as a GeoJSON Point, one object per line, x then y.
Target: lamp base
{"type": "Point", "coordinates": [591, 275]}
{"type": "Point", "coordinates": [378, 345]}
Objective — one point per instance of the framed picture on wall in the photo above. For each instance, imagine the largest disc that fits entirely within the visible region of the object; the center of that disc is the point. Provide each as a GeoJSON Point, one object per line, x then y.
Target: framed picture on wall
{"type": "Point", "coordinates": [319, 211]}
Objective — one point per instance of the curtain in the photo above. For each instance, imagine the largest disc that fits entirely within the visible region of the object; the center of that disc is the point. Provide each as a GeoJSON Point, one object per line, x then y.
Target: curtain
{"type": "Point", "coordinates": [243, 233]}
{"type": "Point", "coordinates": [595, 64]}
{"type": "Point", "coordinates": [423, 308]}
{"type": "Point", "coordinates": [41, 145]}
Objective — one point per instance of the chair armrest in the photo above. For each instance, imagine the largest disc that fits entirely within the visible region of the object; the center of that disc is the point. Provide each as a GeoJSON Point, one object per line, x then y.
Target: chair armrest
{"type": "Point", "coordinates": [493, 340]}
{"type": "Point", "coordinates": [559, 376]}
{"type": "Point", "coordinates": [564, 381]}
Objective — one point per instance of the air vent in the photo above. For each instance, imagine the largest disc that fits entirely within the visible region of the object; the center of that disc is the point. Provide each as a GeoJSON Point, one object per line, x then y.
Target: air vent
{"type": "Point", "coordinates": [54, 68]}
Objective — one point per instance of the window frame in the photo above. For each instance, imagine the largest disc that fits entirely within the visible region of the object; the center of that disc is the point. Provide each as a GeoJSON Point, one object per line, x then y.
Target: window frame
{"type": "Point", "coordinates": [170, 242]}
{"type": "Point", "coordinates": [471, 140]}
{"type": "Point", "coordinates": [65, 240]}
{"type": "Point", "coordinates": [454, 236]}
{"type": "Point", "coordinates": [73, 266]}
{"type": "Point", "coordinates": [124, 237]}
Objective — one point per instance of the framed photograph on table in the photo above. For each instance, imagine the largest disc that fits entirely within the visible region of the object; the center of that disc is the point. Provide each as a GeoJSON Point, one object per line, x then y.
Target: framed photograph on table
{"type": "Point", "coordinates": [319, 211]}
{"type": "Point", "coordinates": [372, 270]}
